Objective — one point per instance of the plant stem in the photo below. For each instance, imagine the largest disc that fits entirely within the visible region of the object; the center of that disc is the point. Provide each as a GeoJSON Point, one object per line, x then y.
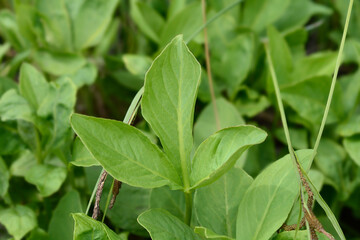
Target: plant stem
{"type": "Point", "coordinates": [279, 101]}
{"type": "Point", "coordinates": [333, 83]}
{"type": "Point", "coordinates": [208, 67]}
{"type": "Point", "coordinates": [188, 207]}
{"type": "Point", "coordinates": [108, 200]}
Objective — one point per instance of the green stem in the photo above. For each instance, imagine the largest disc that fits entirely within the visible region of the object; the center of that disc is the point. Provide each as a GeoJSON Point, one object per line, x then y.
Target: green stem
{"type": "Point", "coordinates": [108, 200]}
{"type": "Point", "coordinates": [279, 101]}
{"type": "Point", "coordinates": [333, 83]}
{"type": "Point", "coordinates": [188, 207]}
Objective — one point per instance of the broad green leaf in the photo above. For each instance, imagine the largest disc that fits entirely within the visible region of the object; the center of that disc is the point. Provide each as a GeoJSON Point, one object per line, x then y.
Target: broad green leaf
{"type": "Point", "coordinates": [58, 63]}
{"type": "Point", "coordinates": [88, 228]}
{"type": "Point", "coordinates": [299, 137]}
{"type": "Point", "coordinates": [106, 43]}
{"type": "Point", "coordinates": [301, 235]}
{"type": "Point", "coordinates": [130, 203]}
{"type": "Point", "coordinates": [352, 146]}
{"type": "Point", "coordinates": [61, 225]}
{"type": "Point", "coordinates": [281, 57]}
{"type": "Point", "coordinates": [298, 13]}
{"type": "Point", "coordinates": [91, 21]}
{"type": "Point", "coordinates": [137, 64]}
{"type": "Point", "coordinates": [206, 125]}
{"type": "Point", "coordinates": [349, 127]}
{"type": "Point", "coordinates": [354, 24]}
{"type": "Point", "coordinates": [125, 152]}
{"type": "Point", "coordinates": [219, 152]}
{"type": "Point", "coordinates": [4, 178]}
{"type": "Point", "coordinates": [308, 98]}
{"type": "Point", "coordinates": [163, 226]}
{"type": "Point", "coordinates": [169, 98]}
{"type": "Point", "coordinates": [252, 103]}
{"type": "Point", "coordinates": [23, 163]}
{"type": "Point", "coordinates": [258, 14]}
{"type": "Point", "coordinates": [185, 22]}
{"type": "Point", "coordinates": [13, 107]}
{"type": "Point", "coordinates": [169, 200]}
{"type": "Point", "coordinates": [58, 27]}
{"type": "Point", "coordinates": [47, 179]}
{"type": "Point", "coordinates": [216, 205]}
{"type": "Point", "coordinates": [175, 6]}
{"type": "Point", "coordinates": [33, 85]}
{"type": "Point", "coordinates": [81, 157]}
{"type": "Point", "coordinates": [18, 220]}
{"type": "Point", "coordinates": [10, 30]}
{"type": "Point", "coordinates": [209, 234]}
{"type": "Point", "coordinates": [329, 160]}
{"type": "Point", "coordinates": [268, 201]}
{"type": "Point", "coordinates": [149, 21]}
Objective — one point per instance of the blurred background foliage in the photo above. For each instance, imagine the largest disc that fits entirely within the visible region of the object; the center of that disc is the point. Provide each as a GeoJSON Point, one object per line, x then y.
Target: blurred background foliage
{"type": "Point", "coordinates": [91, 56]}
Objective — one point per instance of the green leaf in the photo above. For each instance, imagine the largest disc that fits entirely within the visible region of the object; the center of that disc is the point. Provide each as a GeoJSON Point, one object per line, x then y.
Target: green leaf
{"type": "Point", "coordinates": [88, 228]}
{"type": "Point", "coordinates": [209, 234]}
{"type": "Point", "coordinates": [47, 179]}
{"type": "Point", "coordinates": [4, 178]}
{"type": "Point", "coordinates": [33, 85]}
{"type": "Point", "coordinates": [268, 201]}
{"type": "Point", "coordinates": [219, 152]}
{"type": "Point", "coordinates": [13, 107]}
{"type": "Point", "coordinates": [130, 203]}
{"type": "Point", "coordinates": [352, 146]}
{"type": "Point", "coordinates": [298, 13]}
{"type": "Point", "coordinates": [281, 57]}
{"type": "Point", "coordinates": [61, 225]}
{"type": "Point", "coordinates": [18, 220]}
{"type": "Point", "coordinates": [137, 64]}
{"type": "Point", "coordinates": [206, 125]}
{"type": "Point", "coordinates": [258, 14]}
{"type": "Point", "coordinates": [57, 63]}
{"type": "Point", "coordinates": [23, 163]}
{"type": "Point", "coordinates": [38, 234]}
{"type": "Point", "coordinates": [329, 160]}
{"type": "Point", "coordinates": [186, 22]}
{"type": "Point", "coordinates": [84, 76]}
{"type": "Point", "coordinates": [169, 200]}
{"type": "Point", "coordinates": [81, 157]}
{"type": "Point", "coordinates": [301, 235]}
{"type": "Point", "coordinates": [239, 51]}
{"type": "Point", "coordinates": [125, 152]}
{"type": "Point", "coordinates": [10, 30]}
{"type": "Point", "coordinates": [58, 24]}
{"type": "Point", "coordinates": [6, 84]}
{"type": "Point", "coordinates": [149, 21]}
{"type": "Point", "coordinates": [351, 88]}
{"type": "Point", "coordinates": [349, 127]}
{"type": "Point", "coordinates": [299, 137]}
{"type": "Point", "coordinates": [216, 205]}
{"type": "Point", "coordinates": [163, 226]}
{"type": "Point", "coordinates": [308, 99]}
{"type": "Point", "coordinates": [169, 98]}
{"type": "Point", "coordinates": [4, 48]}
{"type": "Point", "coordinates": [10, 141]}
{"type": "Point", "coordinates": [90, 21]}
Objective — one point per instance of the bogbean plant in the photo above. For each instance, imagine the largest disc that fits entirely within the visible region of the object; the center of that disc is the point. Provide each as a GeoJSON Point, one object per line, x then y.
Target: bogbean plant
{"type": "Point", "coordinates": [196, 182]}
